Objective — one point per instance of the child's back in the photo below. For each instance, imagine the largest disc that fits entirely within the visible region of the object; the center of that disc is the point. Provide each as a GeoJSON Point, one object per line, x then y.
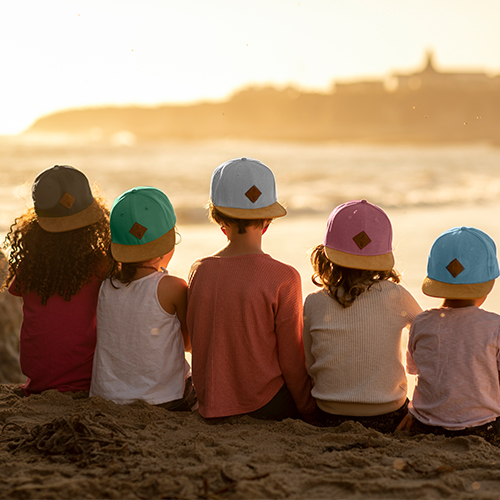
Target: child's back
{"type": "Point", "coordinates": [353, 325]}
{"type": "Point", "coordinates": [456, 354]}
{"type": "Point", "coordinates": [238, 324]}
{"type": "Point", "coordinates": [141, 332]}
{"type": "Point", "coordinates": [354, 354]}
{"type": "Point", "coordinates": [245, 308]}
{"type": "Point", "coordinates": [140, 350]}
{"type": "Point", "coordinates": [455, 350]}
{"type": "Point", "coordinates": [57, 261]}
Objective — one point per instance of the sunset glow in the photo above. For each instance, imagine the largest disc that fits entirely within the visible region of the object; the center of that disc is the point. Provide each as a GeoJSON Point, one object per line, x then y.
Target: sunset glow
{"type": "Point", "coordinates": [61, 54]}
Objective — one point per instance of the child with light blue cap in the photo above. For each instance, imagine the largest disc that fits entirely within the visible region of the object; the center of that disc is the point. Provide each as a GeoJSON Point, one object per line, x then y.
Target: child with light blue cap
{"type": "Point", "coordinates": [245, 308]}
{"type": "Point", "coordinates": [454, 350]}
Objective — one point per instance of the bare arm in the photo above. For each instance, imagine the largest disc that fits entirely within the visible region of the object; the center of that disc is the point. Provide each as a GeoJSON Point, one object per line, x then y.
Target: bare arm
{"type": "Point", "coordinates": [172, 294]}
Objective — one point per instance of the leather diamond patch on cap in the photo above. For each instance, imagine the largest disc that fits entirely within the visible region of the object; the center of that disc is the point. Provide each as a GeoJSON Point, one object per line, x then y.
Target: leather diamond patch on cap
{"type": "Point", "coordinates": [138, 231]}
{"type": "Point", "coordinates": [253, 194]}
{"type": "Point", "coordinates": [67, 200]}
{"type": "Point", "coordinates": [455, 268]}
{"type": "Point", "coordinates": [362, 239]}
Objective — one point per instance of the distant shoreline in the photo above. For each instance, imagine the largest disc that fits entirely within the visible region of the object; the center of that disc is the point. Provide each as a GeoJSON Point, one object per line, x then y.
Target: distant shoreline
{"type": "Point", "coordinates": [423, 116]}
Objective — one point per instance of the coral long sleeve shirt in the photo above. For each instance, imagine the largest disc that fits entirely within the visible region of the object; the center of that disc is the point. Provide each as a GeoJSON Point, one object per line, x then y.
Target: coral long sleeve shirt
{"type": "Point", "coordinates": [245, 321]}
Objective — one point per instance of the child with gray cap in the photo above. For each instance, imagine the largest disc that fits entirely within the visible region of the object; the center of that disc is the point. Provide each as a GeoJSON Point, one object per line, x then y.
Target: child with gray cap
{"type": "Point", "coordinates": [454, 350]}
{"type": "Point", "coordinates": [245, 308]}
{"type": "Point", "coordinates": [141, 313]}
{"type": "Point", "coordinates": [58, 258]}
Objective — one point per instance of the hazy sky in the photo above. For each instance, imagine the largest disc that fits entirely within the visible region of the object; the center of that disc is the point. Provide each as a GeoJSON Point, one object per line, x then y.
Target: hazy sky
{"type": "Point", "coordinates": [57, 54]}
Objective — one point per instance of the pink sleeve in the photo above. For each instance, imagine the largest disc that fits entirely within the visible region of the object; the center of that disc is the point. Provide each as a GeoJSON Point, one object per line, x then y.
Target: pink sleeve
{"type": "Point", "coordinates": [411, 367]}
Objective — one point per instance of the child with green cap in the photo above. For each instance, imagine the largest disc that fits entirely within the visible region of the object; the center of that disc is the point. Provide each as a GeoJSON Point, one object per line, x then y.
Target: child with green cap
{"type": "Point", "coordinates": [141, 313]}
{"type": "Point", "coordinates": [58, 258]}
{"type": "Point", "coordinates": [245, 308]}
{"type": "Point", "coordinates": [454, 350]}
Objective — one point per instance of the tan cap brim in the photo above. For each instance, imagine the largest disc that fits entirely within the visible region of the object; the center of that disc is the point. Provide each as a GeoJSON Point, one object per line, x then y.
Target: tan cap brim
{"type": "Point", "coordinates": [384, 262]}
{"type": "Point", "coordinates": [92, 214]}
{"type": "Point", "coordinates": [270, 212]}
{"type": "Point", "coordinates": [441, 290]}
{"type": "Point", "coordinates": [145, 252]}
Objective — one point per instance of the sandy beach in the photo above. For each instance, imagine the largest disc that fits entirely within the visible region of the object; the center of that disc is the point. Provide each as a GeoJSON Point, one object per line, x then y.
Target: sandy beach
{"type": "Point", "coordinates": [68, 446]}
{"type": "Point", "coordinates": [57, 445]}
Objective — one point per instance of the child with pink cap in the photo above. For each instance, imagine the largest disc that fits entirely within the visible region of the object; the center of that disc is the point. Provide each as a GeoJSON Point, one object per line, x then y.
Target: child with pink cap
{"type": "Point", "coordinates": [353, 325]}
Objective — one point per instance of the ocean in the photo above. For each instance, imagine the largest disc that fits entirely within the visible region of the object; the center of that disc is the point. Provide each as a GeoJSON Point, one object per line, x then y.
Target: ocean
{"type": "Point", "coordinates": [312, 178]}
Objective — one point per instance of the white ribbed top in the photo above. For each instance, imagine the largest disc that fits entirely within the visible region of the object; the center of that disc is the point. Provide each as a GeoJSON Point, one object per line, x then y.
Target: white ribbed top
{"type": "Point", "coordinates": [353, 355]}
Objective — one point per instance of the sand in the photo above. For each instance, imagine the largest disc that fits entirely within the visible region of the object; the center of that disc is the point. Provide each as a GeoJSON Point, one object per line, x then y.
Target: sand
{"type": "Point", "coordinates": [69, 446]}
{"type": "Point", "coordinates": [58, 445]}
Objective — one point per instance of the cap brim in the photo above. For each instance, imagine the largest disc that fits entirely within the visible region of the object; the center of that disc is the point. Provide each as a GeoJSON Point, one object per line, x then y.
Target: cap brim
{"type": "Point", "coordinates": [90, 215]}
{"type": "Point", "coordinates": [147, 251]}
{"type": "Point", "coordinates": [270, 212]}
{"type": "Point", "coordinates": [384, 262]}
{"type": "Point", "coordinates": [441, 290]}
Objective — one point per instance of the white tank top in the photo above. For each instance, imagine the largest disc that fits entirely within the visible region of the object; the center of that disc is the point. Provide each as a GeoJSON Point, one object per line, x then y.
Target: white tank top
{"type": "Point", "coordinates": [140, 350]}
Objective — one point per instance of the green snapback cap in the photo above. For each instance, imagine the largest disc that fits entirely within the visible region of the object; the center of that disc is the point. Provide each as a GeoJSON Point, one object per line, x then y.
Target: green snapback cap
{"type": "Point", "coordinates": [142, 222]}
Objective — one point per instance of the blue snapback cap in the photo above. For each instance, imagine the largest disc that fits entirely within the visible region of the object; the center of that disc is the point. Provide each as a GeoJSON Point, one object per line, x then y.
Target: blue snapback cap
{"type": "Point", "coordinates": [245, 188]}
{"type": "Point", "coordinates": [462, 264]}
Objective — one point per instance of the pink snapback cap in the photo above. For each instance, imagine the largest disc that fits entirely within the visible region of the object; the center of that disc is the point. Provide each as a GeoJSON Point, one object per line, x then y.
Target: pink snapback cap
{"type": "Point", "coordinates": [359, 236]}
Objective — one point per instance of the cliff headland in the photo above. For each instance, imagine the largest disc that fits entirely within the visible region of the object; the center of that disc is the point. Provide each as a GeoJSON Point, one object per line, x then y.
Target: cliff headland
{"type": "Point", "coordinates": [425, 106]}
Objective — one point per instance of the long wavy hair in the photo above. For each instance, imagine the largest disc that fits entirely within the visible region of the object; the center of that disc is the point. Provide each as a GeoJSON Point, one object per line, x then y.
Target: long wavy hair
{"type": "Point", "coordinates": [344, 284]}
{"type": "Point", "coordinates": [57, 263]}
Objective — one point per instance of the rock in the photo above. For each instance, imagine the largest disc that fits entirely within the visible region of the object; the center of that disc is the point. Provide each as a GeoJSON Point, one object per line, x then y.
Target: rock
{"type": "Point", "coordinates": [11, 316]}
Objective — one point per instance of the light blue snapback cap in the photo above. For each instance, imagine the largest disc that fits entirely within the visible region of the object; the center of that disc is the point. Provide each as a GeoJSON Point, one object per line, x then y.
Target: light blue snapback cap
{"type": "Point", "coordinates": [245, 188]}
{"type": "Point", "coordinates": [462, 264]}
{"type": "Point", "coordinates": [142, 222]}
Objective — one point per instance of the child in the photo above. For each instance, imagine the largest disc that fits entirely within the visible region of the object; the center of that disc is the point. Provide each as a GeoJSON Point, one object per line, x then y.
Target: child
{"type": "Point", "coordinates": [245, 308]}
{"type": "Point", "coordinates": [455, 349]}
{"type": "Point", "coordinates": [141, 313]}
{"type": "Point", "coordinates": [353, 325]}
{"type": "Point", "coordinates": [58, 258]}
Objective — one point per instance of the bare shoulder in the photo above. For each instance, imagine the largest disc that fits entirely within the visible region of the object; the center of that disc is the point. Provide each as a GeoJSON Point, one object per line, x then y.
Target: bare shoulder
{"type": "Point", "coordinates": [172, 293]}
{"type": "Point", "coordinates": [172, 286]}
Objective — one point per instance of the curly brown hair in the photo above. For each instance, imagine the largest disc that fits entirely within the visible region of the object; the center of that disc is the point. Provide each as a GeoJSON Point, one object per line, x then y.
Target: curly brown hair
{"type": "Point", "coordinates": [219, 218]}
{"type": "Point", "coordinates": [57, 263]}
{"type": "Point", "coordinates": [344, 284]}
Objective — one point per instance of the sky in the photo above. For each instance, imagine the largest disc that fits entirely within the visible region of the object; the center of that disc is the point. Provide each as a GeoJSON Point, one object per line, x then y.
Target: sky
{"type": "Point", "coordinates": [63, 54]}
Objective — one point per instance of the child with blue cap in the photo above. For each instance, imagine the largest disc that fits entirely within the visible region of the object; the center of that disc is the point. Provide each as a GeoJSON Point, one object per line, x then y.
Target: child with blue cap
{"type": "Point", "coordinates": [141, 311]}
{"type": "Point", "coordinates": [245, 308]}
{"type": "Point", "coordinates": [454, 350]}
